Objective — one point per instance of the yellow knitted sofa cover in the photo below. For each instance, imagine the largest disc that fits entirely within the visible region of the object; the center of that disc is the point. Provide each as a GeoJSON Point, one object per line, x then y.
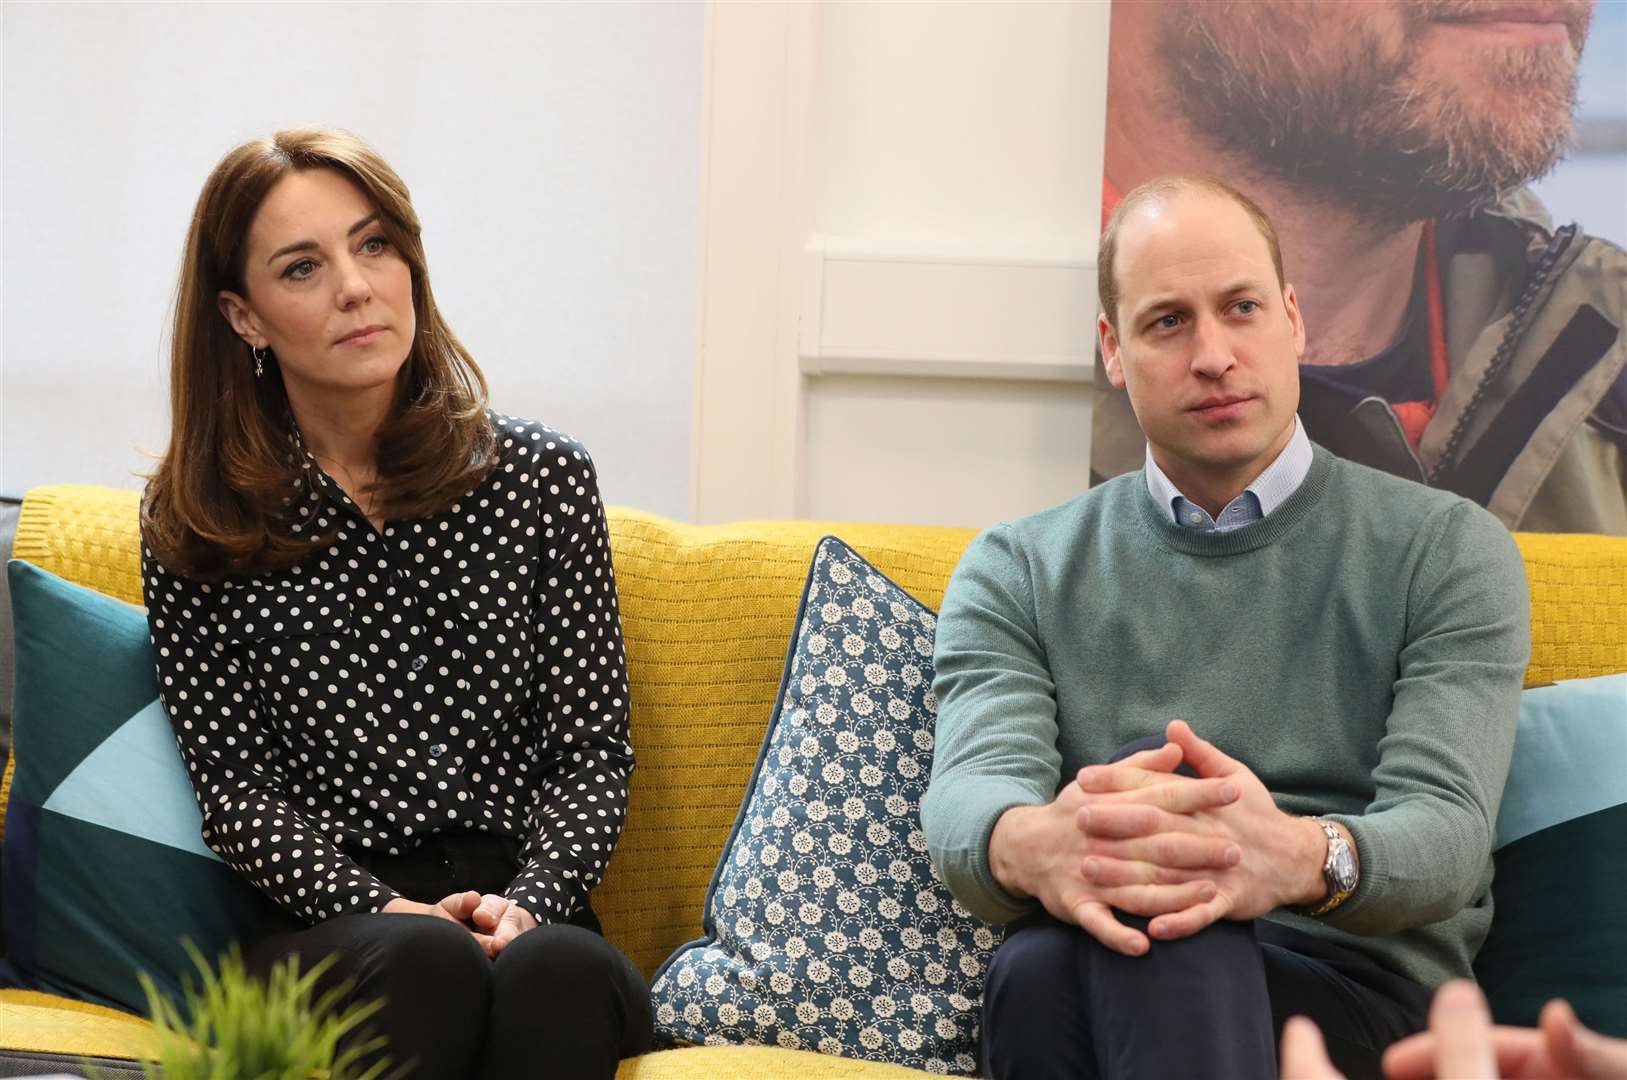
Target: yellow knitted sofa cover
{"type": "Point", "coordinates": [707, 613]}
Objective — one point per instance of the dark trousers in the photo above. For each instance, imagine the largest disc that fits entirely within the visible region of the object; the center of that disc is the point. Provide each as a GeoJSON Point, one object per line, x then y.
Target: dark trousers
{"type": "Point", "coordinates": [560, 1001]}
{"type": "Point", "coordinates": [1059, 1004]}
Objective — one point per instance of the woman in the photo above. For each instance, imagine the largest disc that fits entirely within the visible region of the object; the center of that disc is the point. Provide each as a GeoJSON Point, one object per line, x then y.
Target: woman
{"type": "Point", "coordinates": [386, 629]}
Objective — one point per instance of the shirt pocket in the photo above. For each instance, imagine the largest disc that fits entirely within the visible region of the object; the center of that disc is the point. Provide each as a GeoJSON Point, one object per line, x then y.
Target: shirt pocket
{"type": "Point", "coordinates": [493, 607]}
{"type": "Point", "coordinates": [298, 648]}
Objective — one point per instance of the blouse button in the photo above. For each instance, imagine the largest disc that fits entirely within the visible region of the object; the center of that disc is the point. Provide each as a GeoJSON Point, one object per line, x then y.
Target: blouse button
{"type": "Point", "coordinates": [418, 663]}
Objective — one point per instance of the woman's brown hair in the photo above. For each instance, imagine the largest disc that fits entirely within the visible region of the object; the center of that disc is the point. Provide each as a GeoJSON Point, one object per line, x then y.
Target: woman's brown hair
{"type": "Point", "coordinates": [219, 503]}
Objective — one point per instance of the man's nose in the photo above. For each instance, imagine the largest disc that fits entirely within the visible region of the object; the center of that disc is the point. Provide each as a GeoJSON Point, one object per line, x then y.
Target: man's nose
{"type": "Point", "coordinates": [1211, 349]}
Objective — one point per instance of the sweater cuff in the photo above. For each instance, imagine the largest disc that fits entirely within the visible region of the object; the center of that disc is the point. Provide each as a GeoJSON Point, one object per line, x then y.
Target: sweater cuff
{"type": "Point", "coordinates": [1373, 858]}
{"type": "Point", "coordinates": [964, 866]}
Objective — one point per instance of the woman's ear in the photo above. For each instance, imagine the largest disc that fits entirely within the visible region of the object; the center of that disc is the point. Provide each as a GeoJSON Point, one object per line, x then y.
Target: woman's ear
{"type": "Point", "coordinates": [237, 312]}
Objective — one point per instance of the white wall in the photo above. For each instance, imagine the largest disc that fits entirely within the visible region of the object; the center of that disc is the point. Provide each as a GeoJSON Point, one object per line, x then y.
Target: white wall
{"type": "Point", "coordinates": [553, 152]}
{"type": "Point", "coordinates": [899, 324]}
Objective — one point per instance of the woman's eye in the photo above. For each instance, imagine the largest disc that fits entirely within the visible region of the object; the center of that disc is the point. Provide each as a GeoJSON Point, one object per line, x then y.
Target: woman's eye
{"type": "Point", "coordinates": [300, 270]}
{"type": "Point", "coordinates": [375, 245]}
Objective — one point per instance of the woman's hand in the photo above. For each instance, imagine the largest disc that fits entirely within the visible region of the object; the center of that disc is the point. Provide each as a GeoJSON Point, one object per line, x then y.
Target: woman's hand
{"type": "Point", "coordinates": [502, 919]}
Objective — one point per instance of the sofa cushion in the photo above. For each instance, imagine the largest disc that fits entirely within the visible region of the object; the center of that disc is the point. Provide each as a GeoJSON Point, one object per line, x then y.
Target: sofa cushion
{"type": "Point", "coordinates": [104, 871]}
{"type": "Point", "coordinates": [1561, 862]}
{"type": "Point", "coordinates": [825, 926]}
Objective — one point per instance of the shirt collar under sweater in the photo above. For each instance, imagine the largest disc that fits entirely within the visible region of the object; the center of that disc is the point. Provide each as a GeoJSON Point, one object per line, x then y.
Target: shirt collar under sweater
{"type": "Point", "coordinates": [1268, 491]}
{"type": "Point", "coordinates": [1293, 510]}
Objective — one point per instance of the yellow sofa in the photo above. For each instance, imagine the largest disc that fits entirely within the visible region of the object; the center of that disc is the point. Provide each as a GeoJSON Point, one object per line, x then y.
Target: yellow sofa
{"type": "Point", "coordinates": [707, 612]}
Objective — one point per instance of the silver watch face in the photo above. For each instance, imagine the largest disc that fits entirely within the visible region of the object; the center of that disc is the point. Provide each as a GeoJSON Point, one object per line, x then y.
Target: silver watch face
{"type": "Point", "coordinates": [1344, 866]}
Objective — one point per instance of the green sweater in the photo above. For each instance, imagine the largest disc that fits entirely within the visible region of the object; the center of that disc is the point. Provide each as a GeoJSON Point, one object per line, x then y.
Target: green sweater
{"type": "Point", "coordinates": [1361, 649]}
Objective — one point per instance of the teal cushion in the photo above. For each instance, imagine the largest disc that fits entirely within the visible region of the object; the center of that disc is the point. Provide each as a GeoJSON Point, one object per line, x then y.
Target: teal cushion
{"type": "Point", "coordinates": [104, 871]}
{"type": "Point", "coordinates": [826, 927]}
{"type": "Point", "coordinates": [1561, 854]}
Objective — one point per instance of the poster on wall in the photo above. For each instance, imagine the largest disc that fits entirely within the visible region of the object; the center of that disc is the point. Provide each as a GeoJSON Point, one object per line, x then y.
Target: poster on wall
{"type": "Point", "coordinates": [1448, 179]}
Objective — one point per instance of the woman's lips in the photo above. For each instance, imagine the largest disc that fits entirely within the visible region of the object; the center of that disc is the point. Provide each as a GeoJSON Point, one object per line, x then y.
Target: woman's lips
{"type": "Point", "coordinates": [365, 338]}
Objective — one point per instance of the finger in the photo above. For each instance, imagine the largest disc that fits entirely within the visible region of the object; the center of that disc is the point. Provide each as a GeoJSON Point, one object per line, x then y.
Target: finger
{"type": "Point", "coordinates": [1173, 850]}
{"type": "Point", "coordinates": [490, 911]}
{"type": "Point", "coordinates": [1462, 1026]}
{"type": "Point", "coordinates": [1096, 919]}
{"type": "Point", "coordinates": [1304, 1054]}
{"type": "Point", "coordinates": [1205, 757]}
{"type": "Point", "coordinates": [459, 905]}
{"type": "Point", "coordinates": [1126, 821]}
{"type": "Point", "coordinates": [1175, 925]}
{"type": "Point", "coordinates": [1114, 873]}
{"type": "Point", "coordinates": [1519, 1053]}
{"type": "Point", "coordinates": [506, 933]}
{"type": "Point", "coordinates": [1179, 795]}
{"type": "Point", "coordinates": [1137, 770]}
{"type": "Point", "coordinates": [1158, 900]}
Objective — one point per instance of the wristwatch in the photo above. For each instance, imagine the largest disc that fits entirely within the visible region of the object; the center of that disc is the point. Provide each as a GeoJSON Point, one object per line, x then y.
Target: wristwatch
{"type": "Point", "coordinates": [1339, 871]}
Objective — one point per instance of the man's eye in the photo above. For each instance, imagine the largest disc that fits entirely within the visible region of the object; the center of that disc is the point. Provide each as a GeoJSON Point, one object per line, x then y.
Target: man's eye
{"type": "Point", "coordinates": [1167, 322]}
{"type": "Point", "coordinates": [300, 270]}
{"type": "Point", "coordinates": [1247, 307]}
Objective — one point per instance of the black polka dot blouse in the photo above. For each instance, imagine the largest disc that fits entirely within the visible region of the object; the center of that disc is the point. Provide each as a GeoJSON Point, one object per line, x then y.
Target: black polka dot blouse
{"type": "Point", "coordinates": [456, 672]}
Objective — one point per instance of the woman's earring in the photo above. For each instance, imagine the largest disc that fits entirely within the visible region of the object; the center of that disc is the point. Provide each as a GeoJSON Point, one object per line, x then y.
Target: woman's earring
{"type": "Point", "coordinates": [259, 360]}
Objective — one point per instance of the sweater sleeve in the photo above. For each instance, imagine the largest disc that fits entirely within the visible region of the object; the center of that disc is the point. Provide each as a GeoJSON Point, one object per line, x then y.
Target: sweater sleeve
{"type": "Point", "coordinates": [237, 763]}
{"type": "Point", "coordinates": [581, 699]}
{"type": "Point", "coordinates": [1425, 840]}
{"type": "Point", "coordinates": [996, 739]}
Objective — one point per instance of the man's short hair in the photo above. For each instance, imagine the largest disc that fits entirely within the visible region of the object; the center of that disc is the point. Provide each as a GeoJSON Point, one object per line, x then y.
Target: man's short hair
{"type": "Point", "coordinates": [1107, 250]}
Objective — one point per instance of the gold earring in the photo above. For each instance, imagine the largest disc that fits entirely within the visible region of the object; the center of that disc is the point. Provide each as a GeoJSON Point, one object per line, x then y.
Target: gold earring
{"type": "Point", "coordinates": [259, 360]}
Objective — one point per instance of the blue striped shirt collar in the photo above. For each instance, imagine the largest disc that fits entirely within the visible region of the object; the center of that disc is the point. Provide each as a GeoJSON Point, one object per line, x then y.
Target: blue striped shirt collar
{"type": "Point", "coordinates": [1268, 491]}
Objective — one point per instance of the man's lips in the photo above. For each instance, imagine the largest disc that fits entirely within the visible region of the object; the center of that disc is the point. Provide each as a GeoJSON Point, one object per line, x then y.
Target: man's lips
{"type": "Point", "coordinates": [1536, 21]}
{"type": "Point", "coordinates": [1220, 409]}
{"type": "Point", "coordinates": [1219, 402]}
{"type": "Point", "coordinates": [361, 335]}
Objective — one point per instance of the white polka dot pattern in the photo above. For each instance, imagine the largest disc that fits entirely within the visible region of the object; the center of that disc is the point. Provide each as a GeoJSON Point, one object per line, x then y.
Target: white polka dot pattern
{"type": "Point", "coordinates": [462, 671]}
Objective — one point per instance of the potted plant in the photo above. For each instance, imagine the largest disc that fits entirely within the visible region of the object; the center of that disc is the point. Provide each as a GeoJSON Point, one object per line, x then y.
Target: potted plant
{"type": "Point", "coordinates": [236, 1027]}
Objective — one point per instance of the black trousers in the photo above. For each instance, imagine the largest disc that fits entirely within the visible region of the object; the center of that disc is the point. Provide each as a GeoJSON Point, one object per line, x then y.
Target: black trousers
{"type": "Point", "coordinates": [560, 1001]}
{"type": "Point", "coordinates": [1059, 1004]}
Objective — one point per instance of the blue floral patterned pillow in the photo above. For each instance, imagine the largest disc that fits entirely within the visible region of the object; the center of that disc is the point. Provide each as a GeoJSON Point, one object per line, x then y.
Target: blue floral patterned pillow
{"type": "Point", "coordinates": [825, 926]}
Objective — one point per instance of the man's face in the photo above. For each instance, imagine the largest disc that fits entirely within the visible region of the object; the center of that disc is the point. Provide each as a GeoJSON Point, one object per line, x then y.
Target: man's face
{"type": "Point", "coordinates": [1405, 109]}
{"type": "Point", "coordinates": [1207, 342]}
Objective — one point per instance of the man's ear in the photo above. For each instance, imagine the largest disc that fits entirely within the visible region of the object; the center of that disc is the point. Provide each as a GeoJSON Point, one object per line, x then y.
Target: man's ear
{"type": "Point", "coordinates": [1290, 304]}
{"type": "Point", "coordinates": [241, 316]}
{"type": "Point", "coordinates": [1112, 359]}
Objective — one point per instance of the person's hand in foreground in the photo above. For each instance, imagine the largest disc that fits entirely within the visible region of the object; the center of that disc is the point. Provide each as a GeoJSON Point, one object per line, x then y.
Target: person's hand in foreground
{"type": "Point", "coordinates": [1462, 1044]}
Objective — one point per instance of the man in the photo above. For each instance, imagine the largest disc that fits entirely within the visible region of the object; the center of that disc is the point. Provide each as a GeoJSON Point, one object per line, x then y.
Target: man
{"type": "Point", "coordinates": [1456, 338]}
{"type": "Point", "coordinates": [1355, 642]}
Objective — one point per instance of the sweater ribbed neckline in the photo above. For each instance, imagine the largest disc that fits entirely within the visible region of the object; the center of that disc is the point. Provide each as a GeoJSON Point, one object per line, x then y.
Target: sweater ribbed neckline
{"type": "Point", "coordinates": [1279, 523]}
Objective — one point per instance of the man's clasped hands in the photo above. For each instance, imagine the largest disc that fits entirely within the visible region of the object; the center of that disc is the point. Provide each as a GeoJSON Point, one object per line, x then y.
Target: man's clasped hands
{"type": "Point", "coordinates": [1137, 836]}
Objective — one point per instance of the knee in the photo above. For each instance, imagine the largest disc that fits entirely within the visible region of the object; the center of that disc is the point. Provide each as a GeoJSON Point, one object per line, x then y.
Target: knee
{"type": "Point", "coordinates": [1033, 964]}
{"type": "Point", "coordinates": [563, 956]}
{"type": "Point", "coordinates": [422, 952]}
{"type": "Point", "coordinates": [580, 982]}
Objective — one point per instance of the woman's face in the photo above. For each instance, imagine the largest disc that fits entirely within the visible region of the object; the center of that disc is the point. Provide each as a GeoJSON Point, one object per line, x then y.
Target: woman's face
{"type": "Point", "coordinates": [325, 290]}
